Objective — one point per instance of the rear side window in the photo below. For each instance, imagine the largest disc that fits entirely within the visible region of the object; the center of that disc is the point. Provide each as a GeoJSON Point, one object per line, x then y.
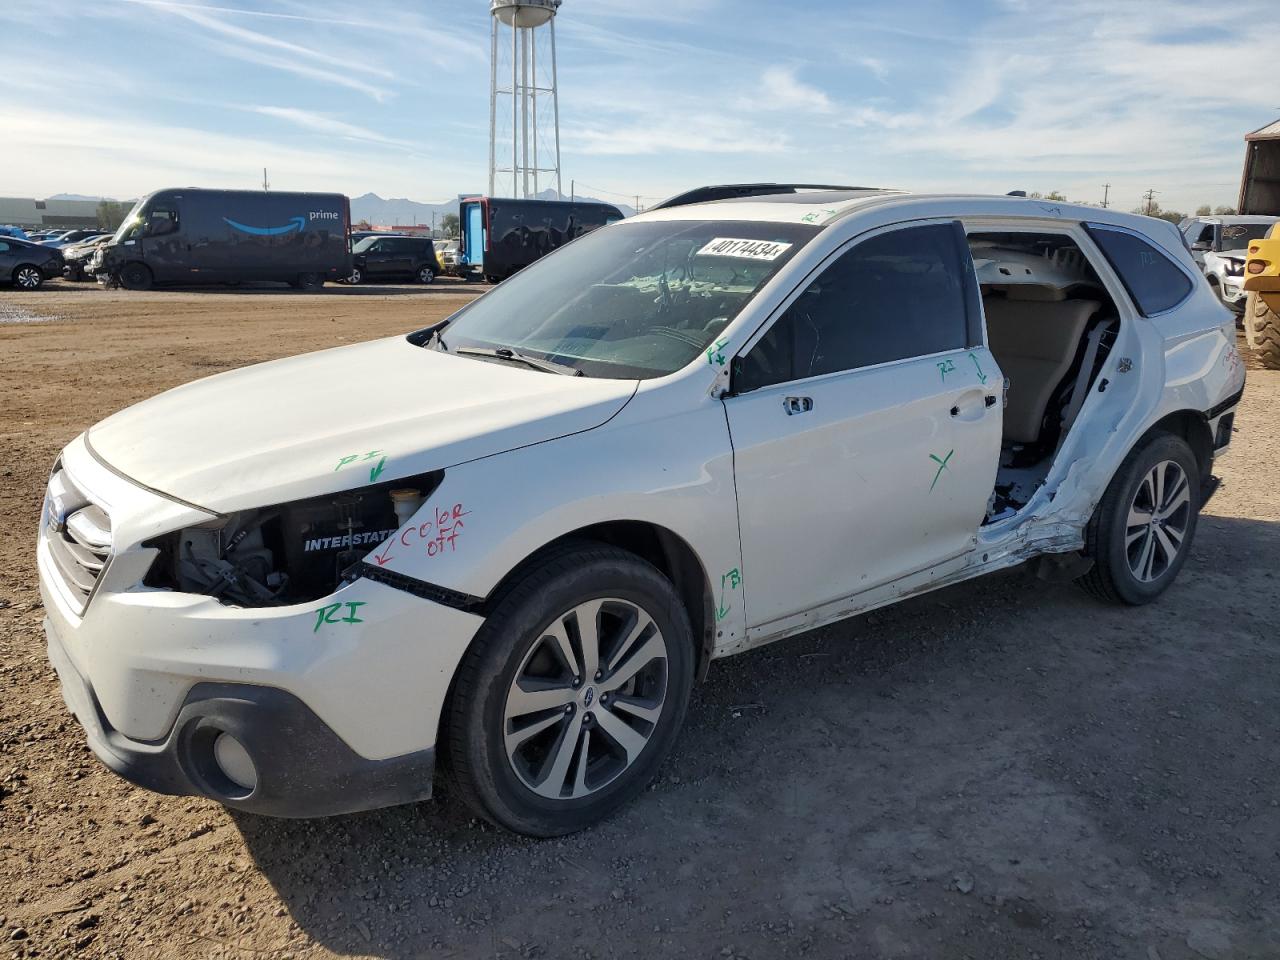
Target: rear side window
{"type": "Point", "coordinates": [1153, 281]}
{"type": "Point", "coordinates": [906, 293]}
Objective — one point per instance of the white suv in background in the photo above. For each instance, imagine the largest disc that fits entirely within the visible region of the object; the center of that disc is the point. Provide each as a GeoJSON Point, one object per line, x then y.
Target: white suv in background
{"type": "Point", "coordinates": [1221, 245]}
{"type": "Point", "coordinates": [513, 541]}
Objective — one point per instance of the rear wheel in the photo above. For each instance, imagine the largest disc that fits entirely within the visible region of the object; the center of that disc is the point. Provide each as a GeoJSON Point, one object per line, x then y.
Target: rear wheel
{"type": "Point", "coordinates": [572, 693]}
{"type": "Point", "coordinates": [1262, 330]}
{"type": "Point", "coordinates": [27, 277]}
{"type": "Point", "coordinates": [426, 275]}
{"type": "Point", "coordinates": [309, 282]}
{"type": "Point", "coordinates": [136, 276]}
{"type": "Point", "coordinates": [1141, 533]}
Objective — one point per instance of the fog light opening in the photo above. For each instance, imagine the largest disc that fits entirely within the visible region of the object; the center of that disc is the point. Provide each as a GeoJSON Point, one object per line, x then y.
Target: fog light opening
{"type": "Point", "coordinates": [234, 762]}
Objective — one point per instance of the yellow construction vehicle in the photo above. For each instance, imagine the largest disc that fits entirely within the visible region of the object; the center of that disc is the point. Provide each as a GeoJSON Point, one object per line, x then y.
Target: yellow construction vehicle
{"type": "Point", "coordinates": [1260, 194]}
{"type": "Point", "coordinates": [1262, 309]}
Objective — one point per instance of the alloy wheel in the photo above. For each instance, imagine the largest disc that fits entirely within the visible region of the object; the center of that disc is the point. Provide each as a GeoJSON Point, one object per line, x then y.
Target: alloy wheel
{"type": "Point", "coordinates": [1158, 519]}
{"type": "Point", "coordinates": [28, 278]}
{"type": "Point", "coordinates": [586, 699]}
{"type": "Point", "coordinates": [426, 275]}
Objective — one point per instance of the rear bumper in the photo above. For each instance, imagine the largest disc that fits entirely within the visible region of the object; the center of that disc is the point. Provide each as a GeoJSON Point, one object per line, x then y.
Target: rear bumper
{"type": "Point", "coordinates": [303, 768]}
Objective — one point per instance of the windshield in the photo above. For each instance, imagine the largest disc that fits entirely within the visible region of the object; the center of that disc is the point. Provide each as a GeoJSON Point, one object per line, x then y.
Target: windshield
{"type": "Point", "coordinates": [1238, 236]}
{"type": "Point", "coordinates": [129, 226]}
{"type": "Point", "coordinates": [631, 300]}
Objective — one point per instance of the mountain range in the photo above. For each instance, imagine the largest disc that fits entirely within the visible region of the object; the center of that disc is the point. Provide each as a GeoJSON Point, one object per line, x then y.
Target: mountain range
{"type": "Point", "coordinates": [398, 211]}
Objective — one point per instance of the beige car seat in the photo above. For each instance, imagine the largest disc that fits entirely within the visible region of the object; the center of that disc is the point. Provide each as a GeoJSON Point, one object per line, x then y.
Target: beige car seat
{"type": "Point", "coordinates": [1034, 335]}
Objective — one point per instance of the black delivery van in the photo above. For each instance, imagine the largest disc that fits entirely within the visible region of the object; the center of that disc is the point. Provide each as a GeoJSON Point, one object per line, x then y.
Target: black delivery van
{"type": "Point", "coordinates": [500, 234]}
{"type": "Point", "coordinates": [192, 236]}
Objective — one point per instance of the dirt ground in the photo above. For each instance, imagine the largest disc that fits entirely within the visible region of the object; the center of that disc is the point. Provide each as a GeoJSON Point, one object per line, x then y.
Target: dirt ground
{"type": "Point", "coordinates": [1001, 769]}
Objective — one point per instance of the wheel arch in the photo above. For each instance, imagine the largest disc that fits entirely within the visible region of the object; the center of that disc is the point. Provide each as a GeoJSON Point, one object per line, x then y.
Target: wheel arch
{"type": "Point", "coordinates": [666, 550]}
{"type": "Point", "coordinates": [1192, 426]}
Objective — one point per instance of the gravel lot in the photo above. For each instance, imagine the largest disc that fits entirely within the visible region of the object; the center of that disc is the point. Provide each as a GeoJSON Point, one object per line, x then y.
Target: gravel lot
{"type": "Point", "coordinates": [1001, 769]}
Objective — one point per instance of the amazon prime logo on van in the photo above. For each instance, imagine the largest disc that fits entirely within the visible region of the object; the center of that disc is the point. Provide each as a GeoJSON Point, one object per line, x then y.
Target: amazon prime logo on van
{"type": "Point", "coordinates": [294, 224]}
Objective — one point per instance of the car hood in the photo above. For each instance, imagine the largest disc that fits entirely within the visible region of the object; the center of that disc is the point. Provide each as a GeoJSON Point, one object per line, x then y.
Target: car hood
{"type": "Point", "coordinates": [339, 419]}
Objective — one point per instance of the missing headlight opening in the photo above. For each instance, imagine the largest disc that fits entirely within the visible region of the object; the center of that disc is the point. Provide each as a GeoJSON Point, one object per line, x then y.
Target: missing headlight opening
{"type": "Point", "coordinates": [288, 553]}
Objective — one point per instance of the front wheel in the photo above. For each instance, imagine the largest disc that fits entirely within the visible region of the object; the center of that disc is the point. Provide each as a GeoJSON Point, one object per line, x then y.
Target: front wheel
{"type": "Point", "coordinates": [572, 693]}
{"type": "Point", "coordinates": [27, 277]}
{"type": "Point", "coordinates": [135, 276]}
{"type": "Point", "coordinates": [309, 282]}
{"type": "Point", "coordinates": [1142, 530]}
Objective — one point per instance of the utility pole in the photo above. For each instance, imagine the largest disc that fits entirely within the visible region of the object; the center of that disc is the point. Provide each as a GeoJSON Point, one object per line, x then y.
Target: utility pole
{"type": "Point", "coordinates": [265, 184]}
{"type": "Point", "coordinates": [1106, 191]}
{"type": "Point", "coordinates": [573, 190]}
{"type": "Point", "coordinates": [1150, 197]}
{"type": "Point", "coordinates": [637, 203]}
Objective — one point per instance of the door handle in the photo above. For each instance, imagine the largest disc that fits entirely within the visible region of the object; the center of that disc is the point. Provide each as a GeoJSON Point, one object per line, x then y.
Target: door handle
{"type": "Point", "coordinates": [794, 405]}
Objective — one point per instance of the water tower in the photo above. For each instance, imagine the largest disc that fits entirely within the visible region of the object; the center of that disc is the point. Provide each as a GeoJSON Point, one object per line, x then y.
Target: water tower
{"type": "Point", "coordinates": [534, 137]}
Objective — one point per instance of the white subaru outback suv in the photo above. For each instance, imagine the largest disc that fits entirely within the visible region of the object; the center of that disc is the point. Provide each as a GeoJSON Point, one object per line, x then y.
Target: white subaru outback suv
{"type": "Point", "coordinates": [511, 542]}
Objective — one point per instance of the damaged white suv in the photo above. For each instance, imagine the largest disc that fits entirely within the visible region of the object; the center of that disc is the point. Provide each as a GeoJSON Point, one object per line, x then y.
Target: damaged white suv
{"type": "Point", "coordinates": [512, 541]}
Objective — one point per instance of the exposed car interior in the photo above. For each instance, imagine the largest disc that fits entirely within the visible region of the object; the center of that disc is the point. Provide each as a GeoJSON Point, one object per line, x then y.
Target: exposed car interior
{"type": "Point", "coordinates": [1050, 326]}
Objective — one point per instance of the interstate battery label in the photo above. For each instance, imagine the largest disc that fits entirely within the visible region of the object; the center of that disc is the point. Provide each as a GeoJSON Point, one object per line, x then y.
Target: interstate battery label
{"type": "Point", "coordinates": [743, 249]}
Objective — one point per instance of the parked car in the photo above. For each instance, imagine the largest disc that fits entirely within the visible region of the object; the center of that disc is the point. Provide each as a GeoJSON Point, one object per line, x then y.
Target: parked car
{"type": "Point", "coordinates": [76, 256]}
{"type": "Point", "coordinates": [536, 524]}
{"type": "Point", "coordinates": [9, 230]}
{"type": "Point", "coordinates": [393, 258]}
{"type": "Point", "coordinates": [27, 265]}
{"type": "Point", "coordinates": [1220, 245]}
{"type": "Point", "coordinates": [447, 256]}
{"type": "Point", "coordinates": [358, 235]}
{"type": "Point", "coordinates": [193, 236]}
{"type": "Point", "coordinates": [74, 236]}
{"type": "Point", "coordinates": [501, 235]}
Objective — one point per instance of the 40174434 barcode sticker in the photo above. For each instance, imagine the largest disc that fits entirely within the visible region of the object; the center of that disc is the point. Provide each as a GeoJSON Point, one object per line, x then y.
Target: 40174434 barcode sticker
{"type": "Point", "coordinates": [743, 249]}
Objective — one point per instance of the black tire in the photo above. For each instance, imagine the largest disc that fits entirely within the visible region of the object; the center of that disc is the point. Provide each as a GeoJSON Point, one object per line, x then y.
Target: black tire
{"type": "Point", "coordinates": [136, 276]}
{"type": "Point", "coordinates": [1112, 577]}
{"type": "Point", "coordinates": [309, 282]}
{"type": "Point", "coordinates": [475, 720]}
{"type": "Point", "coordinates": [492, 278]}
{"type": "Point", "coordinates": [27, 276]}
{"type": "Point", "coordinates": [1262, 330]}
{"type": "Point", "coordinates": [426, 274]}
{"type": "Point", "coordinates": [356, 276]}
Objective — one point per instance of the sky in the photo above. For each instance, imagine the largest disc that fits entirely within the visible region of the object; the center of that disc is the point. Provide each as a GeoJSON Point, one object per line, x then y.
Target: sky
{"type": "Point", "coordinates": [121, 97]}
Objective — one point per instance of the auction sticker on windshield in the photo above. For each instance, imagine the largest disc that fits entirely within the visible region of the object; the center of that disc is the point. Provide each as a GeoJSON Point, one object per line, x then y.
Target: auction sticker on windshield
{"type": "Point", "coordinates": [744, 249]}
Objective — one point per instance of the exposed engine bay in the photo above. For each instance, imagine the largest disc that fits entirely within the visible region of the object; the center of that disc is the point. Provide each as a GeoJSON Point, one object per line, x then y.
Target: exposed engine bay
{"type": "Point", "coordinates": [289, 553]}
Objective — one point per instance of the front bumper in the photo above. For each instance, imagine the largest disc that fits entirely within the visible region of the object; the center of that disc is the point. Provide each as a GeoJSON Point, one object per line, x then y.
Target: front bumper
{"type": "Point", "coordinates": [303, 768]}
{"type": "Point", "coordinates": [1233, 289]}
{"type": "Point", "coordinates": [341, 709]}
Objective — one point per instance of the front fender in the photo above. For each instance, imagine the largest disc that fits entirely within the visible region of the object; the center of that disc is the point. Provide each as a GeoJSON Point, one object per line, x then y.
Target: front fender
{"type": "Point", "coordinates": [674, 472]}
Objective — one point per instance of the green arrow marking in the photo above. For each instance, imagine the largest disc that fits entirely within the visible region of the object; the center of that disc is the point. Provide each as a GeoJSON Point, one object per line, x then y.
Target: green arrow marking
{"type": "Point", "coordinates": [376, 472]}
{"type": "Point", "coordinates": [982, 377]}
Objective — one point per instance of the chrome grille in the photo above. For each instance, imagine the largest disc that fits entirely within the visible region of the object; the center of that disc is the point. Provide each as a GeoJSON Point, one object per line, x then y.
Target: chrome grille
{"type": "Point", "coordinates": [79, 537]}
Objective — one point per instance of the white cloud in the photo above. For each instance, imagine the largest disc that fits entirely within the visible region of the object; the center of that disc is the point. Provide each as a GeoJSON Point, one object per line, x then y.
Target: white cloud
{"type": "Point", "coordinates": [323, 123]}
{"type": "Point", "coordinates": [780, 90]}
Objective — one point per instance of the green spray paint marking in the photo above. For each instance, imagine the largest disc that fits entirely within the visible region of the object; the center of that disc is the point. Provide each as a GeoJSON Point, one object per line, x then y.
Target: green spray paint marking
{"type": "Point", "coordinates": [714, 356]}
{"type": "Point", "coordinates": [946, 366]}
{"type": "Point", "coordinates": [942, 465]}
{"type": "Point", "coordinates": [813, 215]}
{"type": "Point", "coordinates": [371, 455]}
{"type": "Point", "coordinates": [329, 614]}
{"type": "Point", "coordinates": [982, 377]}
{"type": "Point", "coordinates": [734, 580]}
{"type": "Point", "coordinates": [375, 472]}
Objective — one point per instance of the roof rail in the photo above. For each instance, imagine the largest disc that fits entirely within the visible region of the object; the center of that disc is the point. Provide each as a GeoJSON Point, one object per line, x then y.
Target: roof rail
{"type": "Point", "coordinates": [729, 191]}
